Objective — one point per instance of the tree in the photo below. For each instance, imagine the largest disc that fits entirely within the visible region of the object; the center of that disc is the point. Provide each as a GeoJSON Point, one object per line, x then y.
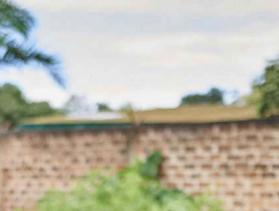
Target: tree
{"type": "Point", "coordinates": [103, 107]}
{"type": "Point", "coordinates": [15, 26]}
{"type": "Point", "coordinates": [14, 107]}
{"type": "Point", "coordinates": [268, 88]}
{"type": "Point", "coordinates": [213, 96]}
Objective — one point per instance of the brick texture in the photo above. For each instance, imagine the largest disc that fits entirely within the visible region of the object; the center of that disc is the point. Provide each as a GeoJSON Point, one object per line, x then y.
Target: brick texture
{"type": "Point", "coordinates": [236, 162]}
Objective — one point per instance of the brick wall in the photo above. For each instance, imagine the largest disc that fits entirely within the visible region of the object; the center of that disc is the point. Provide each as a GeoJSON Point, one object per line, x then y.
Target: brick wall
{"type": "Point", "coordinates": [236, 162]}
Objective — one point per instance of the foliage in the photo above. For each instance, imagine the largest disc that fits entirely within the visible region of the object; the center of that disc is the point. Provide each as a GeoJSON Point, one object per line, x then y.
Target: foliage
{"type": "Point", "coordinates": [268, 88]}
{"type": "Point", "coordinates": [213, 96]}
{"type": "Point", "coordinates": [129, 190]}
{"type": "Point", "coordinates": [15, 27]}
{"type": "Point", "coordinates": [150, 169]}
{"type": "Point", "coordinates": [103, 107]}
{"type": "Point", "coordinates": [252, 99]}
{"type": "Point", "coordinates": [14, 107]}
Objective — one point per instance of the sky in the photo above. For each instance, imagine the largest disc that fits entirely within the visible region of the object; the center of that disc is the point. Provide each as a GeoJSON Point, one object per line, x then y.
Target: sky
{"type": "Point", "coordinates": [149, 52]}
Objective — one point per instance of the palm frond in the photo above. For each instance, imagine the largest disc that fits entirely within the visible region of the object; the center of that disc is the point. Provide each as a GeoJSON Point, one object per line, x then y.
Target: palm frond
{"type": "Point", "coordinates": [16, 54]}
{"type": "Point", "coordinates": [12, 17]}
{"type": "Point", "coordinates": [17, 22]}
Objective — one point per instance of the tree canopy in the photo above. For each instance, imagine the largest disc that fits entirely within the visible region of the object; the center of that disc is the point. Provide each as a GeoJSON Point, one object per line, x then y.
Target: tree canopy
{"type": "Point", "coordinates": [213, 96]}
{"type": "Point", "coordinates": [268, 90]}
{"type": "Point", "coordinates": [103, 107]}
{"type": "Point", "coordinates": [16, 25]}
{"type": "Point", "coordinates": [14, 107]}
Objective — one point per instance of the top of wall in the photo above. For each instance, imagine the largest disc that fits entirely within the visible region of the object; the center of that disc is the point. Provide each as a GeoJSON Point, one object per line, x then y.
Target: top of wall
{"type": "Point", "coordinates": [103, 126]}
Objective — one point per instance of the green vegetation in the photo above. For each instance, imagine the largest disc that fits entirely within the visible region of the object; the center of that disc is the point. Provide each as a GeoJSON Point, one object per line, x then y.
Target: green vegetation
{"type": "Point", "coordinates": [213, 96]}
{"type": "Point", "coordinates": [135, 188]}
{"type": "Point", "coordinates": [103, 107]}
{"type": "Point", "coordinates": [15, 27]}
{"type": "Point", "coordinates": [267, 91]}
{"type": "Point", "coordinates": [253, 99]}
{"type": "Point", "coordinates": [14, 107]}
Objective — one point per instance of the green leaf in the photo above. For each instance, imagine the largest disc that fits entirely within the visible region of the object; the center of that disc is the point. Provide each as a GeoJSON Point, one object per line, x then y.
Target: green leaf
{"type": "Point", "coordinates": [150, 169]}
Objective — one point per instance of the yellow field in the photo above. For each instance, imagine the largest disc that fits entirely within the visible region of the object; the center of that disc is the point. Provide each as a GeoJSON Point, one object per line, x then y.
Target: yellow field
{"type": "Point", "coordinates": [187, 114]}
{"type": "Point", "coordinates": [201, 113]}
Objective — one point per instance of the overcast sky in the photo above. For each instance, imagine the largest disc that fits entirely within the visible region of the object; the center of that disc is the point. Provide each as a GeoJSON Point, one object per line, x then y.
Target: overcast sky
{"type": "Point", "coordinates": [150, 52]}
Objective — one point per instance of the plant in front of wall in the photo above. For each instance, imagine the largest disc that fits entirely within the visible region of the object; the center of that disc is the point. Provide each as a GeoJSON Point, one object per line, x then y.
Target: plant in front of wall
{"type": "Point", "coordinates": [136, 188]}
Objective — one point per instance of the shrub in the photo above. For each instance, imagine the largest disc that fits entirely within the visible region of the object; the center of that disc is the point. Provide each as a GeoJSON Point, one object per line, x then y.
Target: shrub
{"type": "Point", "coordinates": [135, 188]}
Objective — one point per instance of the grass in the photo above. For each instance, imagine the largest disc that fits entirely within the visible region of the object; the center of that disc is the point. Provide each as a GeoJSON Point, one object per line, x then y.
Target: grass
{"type": "Point", "coordinates": [186, 114]}
{"type": "Point", "coordinates": [197, 114]}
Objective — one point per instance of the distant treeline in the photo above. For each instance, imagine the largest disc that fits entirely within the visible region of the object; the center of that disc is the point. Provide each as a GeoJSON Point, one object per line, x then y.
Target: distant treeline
{"type": "Point", "coordinates": [213, 96]}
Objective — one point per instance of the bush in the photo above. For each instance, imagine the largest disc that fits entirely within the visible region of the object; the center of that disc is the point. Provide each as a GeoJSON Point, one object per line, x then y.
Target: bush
{"type": "Point", "coordinates": [133, 189]}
